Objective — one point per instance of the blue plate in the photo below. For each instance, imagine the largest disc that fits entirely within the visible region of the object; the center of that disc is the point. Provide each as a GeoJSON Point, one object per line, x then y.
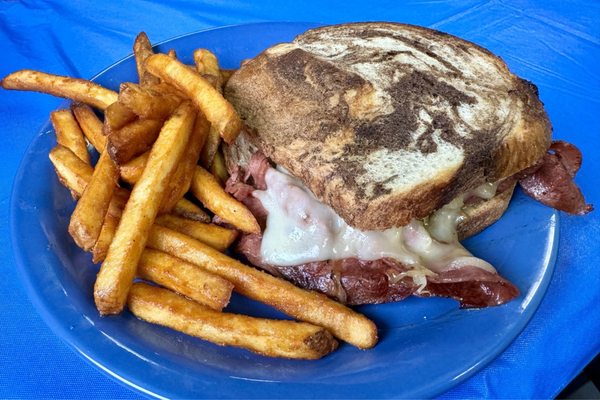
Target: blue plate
{"type": "Point", "coordinates": [426, 345]}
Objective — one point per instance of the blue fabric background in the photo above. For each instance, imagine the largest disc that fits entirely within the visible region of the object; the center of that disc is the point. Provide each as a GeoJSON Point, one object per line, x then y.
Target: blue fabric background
{"type": "Point", "coordinates": [555, 44]}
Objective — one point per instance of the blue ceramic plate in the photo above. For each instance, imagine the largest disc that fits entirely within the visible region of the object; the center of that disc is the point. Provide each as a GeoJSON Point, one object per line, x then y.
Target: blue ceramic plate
{"type": "Point", "coordinates": [426, 345]}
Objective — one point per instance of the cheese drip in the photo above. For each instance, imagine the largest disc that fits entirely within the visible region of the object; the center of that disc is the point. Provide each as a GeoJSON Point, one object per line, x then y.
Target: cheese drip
{"type": "Point", "coordinates": [300, 229]}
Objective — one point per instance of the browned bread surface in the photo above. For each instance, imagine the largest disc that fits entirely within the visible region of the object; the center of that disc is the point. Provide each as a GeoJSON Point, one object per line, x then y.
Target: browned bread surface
{"type": "Point", "coordinates": [387, 122]}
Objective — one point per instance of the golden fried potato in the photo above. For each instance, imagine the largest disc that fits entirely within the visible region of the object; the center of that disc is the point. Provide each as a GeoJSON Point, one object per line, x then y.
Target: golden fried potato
{"type": "Point", "coordinates": [90, 125]}
{"type": "Point", "coordinates": [133, 139]}
{"type": "Point", "coordinates": [75, 175]}
{"type": "Point", "coordinates": [219, 112]}
{"type": "Point", "coordinates": [109, 227]}
{"type": "Point", "coordinates": [119, 267]}
{"type": "Point", "coordinates": [186, 209]}
{"type": "Point", "coordinates": [69, 134]}
{"type": "Point", "coordinates": [271, 338]}
{"type": "Point", "coordinates": [208, 66]}
{"type": "Point", "coordinates": [88, 217]}
{"type": "Point", "coordinates": [142, 49]}
{"type": "Point", "coordinates": [80, 90]}
{"type": "Point", "coordinates": [210, 148]}
{"type": "Point", "coordinates": [116, 116]}
{"type": "Point", "coordinates": [208, 190]}
{"type": "Point", "coordinates": [184, 278]}
{"type": "Point", "coordinates": [218, 168]}
{"type": "Point", "coordinates": [182, 178]}
{"type": "Point", "coordinates": [132, 170]}
{"type": "Point", "coordinates": [206, 62]}
{"type": "Point", "coordinates": [168, 89]}
{"type": "Point", "coordinates": [147, 102]}
{"type": "Point", "coordinates": [171, 272]}
{"type": "Point", "coordinates": [213, 235]}
{"type": "Point", "coordinates": [72, 172]}
{"type": "Point", "coordinates": [304, 305]}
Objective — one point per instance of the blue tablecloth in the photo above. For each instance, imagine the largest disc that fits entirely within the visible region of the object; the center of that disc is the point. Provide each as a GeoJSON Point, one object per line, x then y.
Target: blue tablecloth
{"type": "Point", "coordinates": [555, 44]}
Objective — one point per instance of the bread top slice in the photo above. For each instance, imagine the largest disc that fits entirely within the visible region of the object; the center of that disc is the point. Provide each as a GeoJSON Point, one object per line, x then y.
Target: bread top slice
{"type": "Point", "coordinates": [387, 122]}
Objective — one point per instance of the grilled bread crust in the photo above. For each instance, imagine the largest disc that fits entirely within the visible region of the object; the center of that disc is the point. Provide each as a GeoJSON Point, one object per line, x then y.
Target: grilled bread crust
{"type": "Point", "coordinates": [387, 122]}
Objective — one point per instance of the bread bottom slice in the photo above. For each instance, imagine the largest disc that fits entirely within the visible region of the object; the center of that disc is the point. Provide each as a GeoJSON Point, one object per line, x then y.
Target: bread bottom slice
{"type": "Point", "coordinates": [484, 213]}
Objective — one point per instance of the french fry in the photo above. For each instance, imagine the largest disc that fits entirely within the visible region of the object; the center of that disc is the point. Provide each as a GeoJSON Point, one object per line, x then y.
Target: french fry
{"type": "Point", "coordinates": [219, 112]}
{"type": "Point", "coordinates": [142, 49]}
{"type": "Point", "coordinates": [88, 217]}
{"type": "Point", "coordinates": [218, 168]}
{"type": "Point", "coordinates": [71, 171]}
{"type": "Point", "coordinates": [182, 178]}
{"type": "Point", "coordinates": [195, 284]}
{"type": "Point", "coordinates": [90, 125]}
{"type": "Point", "coordinates": [119, 267]}
{"type": "Point", "coordinates": [271, 338]}
{"type": "Point", "coordinates": [208, 65]}
{"type": "Point", "coordinates": [75, 89]}
{"type": "Point", "coordinates": [147, 102]}
{"type": "Point", "coordinates": [210, 148]}
{"type": "Point", "coordinates": [206, 62]}
{"type": "Point", "coordinates": [170, 272]}
{"type": "Point", "coordinates": [185, 278]}
{"type": "Point", "coordinates": [208, 190]}
{"type": "Point", "coordinates": [118, 202]}
{"type": "Point", "coordinates": [173, 54]}
{"type": "Point", "coordinates": [133, 139]}
{"type": "Point", "coordinates": [198, 284]}
{"type": "Point", "coordinates": [186, 209]}
{"type": "Point", "coordinates": [215, 236]}
{"type": "Point", "coordinates": [132, 170]}
{"type": "Point", "coordinates": [304, 305]}
{"type": "Point", "coordinates": [75, 175]}
{"type": "Point", "coordinates": [183, 208]}
{"type": "Point", "coordinates": [69, 134]}
{"type": "Point", "coordinates": [116, 116]}
{"type": "Point", "coordinates": [109, 227]}
{"type": "Point", "coordinates": [166, 88]}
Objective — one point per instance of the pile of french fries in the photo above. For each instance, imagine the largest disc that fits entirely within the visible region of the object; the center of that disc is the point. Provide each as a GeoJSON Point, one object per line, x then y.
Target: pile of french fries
{"type": "Point", "coordinates": [159, 146]}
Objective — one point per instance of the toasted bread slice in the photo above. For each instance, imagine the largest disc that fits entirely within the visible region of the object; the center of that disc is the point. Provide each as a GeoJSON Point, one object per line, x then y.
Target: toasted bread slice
{"type": "Point", "coordinates": [388, 122]}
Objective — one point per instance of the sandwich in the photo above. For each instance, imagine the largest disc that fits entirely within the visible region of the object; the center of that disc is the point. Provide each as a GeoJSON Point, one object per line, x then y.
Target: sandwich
{"type": "Point", "coordinates": [369, 150]}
